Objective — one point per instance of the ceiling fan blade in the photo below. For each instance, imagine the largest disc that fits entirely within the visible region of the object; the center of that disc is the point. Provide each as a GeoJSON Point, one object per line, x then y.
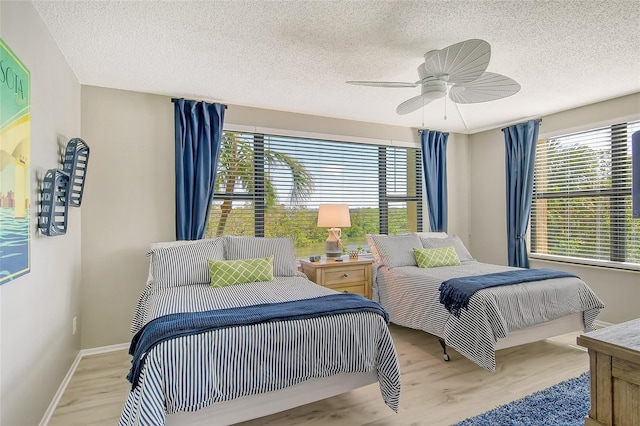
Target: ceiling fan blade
{"type": "Point", "coordinates": [410, 105]}
{"type": "Point", "coordinates": [383, 83]}
{"type": "Point", "coordinates": [418, 102]}
{"type": "Point", "coordinates": [489, 87]}
{"type": "Point", "coordinates": [459, 63]}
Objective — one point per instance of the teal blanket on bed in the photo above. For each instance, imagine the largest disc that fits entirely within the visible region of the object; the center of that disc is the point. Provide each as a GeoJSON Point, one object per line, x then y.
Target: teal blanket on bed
{"type": "Point", "coordinates": [456, 292]}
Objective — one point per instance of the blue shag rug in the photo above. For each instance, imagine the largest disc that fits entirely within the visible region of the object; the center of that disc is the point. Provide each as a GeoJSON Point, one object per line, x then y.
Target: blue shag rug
{"type": "Point", "coordinates": [564, 404]}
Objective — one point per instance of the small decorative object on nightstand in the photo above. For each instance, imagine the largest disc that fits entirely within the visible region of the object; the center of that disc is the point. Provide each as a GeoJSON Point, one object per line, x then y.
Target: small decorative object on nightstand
{"type": "Point", "coordinates": [348, 276]}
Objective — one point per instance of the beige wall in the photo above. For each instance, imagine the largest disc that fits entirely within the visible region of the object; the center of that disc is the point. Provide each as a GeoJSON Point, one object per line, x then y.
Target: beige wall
{"type": "Point", "coordinates": [620, 290]}
{"type": "Point", "coordinates": [131, 203]}
{"type": "Point", "coordinates": [458, 186]}
{"type": "Point", "coordinates": [37, 346]}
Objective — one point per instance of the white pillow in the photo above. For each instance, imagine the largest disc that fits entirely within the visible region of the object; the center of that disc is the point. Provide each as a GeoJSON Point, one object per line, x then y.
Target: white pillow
{"type": "Point", "coordinates": [453, 240]}
{"type": "Point", "coordinates": [178, 263]}
{"type": "Point", "coordinates": [394, 250]}
{"type": "Point", "coordinates": [282, 249]}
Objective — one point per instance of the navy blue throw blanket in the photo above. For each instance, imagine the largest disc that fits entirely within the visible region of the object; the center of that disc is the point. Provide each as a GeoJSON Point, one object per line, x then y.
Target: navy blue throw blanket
{"type": "Point", "coordinates": [456, 292]}
{"type": "Point", "coordinates": [184, 324]}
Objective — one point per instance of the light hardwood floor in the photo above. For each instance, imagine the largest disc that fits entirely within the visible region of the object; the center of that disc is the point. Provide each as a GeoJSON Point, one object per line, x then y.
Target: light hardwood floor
{"type": "Point", "coordinates": [433, 393]}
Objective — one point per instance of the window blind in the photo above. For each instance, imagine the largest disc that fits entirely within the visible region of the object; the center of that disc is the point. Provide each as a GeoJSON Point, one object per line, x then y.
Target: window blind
{"type": "Point", "coordinates": [582, 196]}
{"type": "Point", "coordinates": [270, 185]}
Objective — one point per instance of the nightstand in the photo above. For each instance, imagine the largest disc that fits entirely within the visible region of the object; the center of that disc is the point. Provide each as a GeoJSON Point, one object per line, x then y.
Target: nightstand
{"type": "Point", "coordinates": [348, 276]}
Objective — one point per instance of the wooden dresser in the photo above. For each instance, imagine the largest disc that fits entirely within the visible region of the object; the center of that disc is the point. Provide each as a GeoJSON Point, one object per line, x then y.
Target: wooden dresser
{"type": "Point", "coordinates": [348, 276]}
{"type": "Point", "coordinates": [614, 358]}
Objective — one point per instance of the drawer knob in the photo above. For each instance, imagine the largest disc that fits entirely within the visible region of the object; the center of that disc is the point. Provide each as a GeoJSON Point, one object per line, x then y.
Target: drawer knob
{"type": "Point", "coordinates": [345, 275]}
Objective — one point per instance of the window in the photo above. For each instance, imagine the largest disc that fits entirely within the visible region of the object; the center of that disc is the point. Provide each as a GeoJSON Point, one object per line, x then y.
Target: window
{"type": "Point", "coordinates": [272, 186]}
{"type": "Point", "coordinates": [582, 197]}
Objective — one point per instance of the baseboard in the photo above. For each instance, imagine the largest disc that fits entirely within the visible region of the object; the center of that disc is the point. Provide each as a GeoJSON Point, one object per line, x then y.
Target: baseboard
{"type": "Point", "coordinates": [67, 378]}
{"type": "Point", "coordinates": [61, 389]}
{"type": "Point", "coordinates": [601, 324]}
{"type": "Point", "coordinates": [104, 349]}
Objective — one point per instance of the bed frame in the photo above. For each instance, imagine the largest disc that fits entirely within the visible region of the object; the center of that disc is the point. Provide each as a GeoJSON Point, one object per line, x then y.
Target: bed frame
{"type": "Point", "coordinates": [568, 324]}
{"type": "Point", "coordinates": [254, 406]}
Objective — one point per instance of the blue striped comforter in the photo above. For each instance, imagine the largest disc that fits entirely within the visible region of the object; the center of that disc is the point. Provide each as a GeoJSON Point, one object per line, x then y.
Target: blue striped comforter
{"type": "Point", "coordinates": [456, 292]}
{"type": "Point", "coordinates": [190, 323]}
{"type": "Point", "coordinates": [411, 297]}
{"type": "Point", "coordinates": [186, 374]}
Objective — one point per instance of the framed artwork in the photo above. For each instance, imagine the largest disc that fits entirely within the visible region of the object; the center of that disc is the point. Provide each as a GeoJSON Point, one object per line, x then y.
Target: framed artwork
{"type": "Point", "coordinates": [15, 158]}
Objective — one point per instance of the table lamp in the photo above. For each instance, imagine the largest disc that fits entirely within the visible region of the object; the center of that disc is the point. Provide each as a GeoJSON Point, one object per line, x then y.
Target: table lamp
{"type": "Point", "coordinates": [334, 217]}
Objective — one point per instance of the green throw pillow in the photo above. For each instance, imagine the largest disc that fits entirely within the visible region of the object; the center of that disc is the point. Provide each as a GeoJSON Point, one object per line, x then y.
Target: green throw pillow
{"type": "Point", "coordinates": [435, 257]}
{"type": "Point", "coordinates": [229, 272]}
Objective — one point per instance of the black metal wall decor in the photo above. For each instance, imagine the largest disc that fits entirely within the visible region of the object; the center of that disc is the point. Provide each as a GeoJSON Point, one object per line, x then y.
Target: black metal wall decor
{"type": "Point", "coordinates": [62, 189]}
{"type": "Point", "coordinates": [53, 211]}
{"type": "Point", "coordinates": [76, 158]}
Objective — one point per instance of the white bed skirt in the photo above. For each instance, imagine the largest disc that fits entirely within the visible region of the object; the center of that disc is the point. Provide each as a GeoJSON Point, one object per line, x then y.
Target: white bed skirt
{"type": "Point", "coordinates": [254, 406]}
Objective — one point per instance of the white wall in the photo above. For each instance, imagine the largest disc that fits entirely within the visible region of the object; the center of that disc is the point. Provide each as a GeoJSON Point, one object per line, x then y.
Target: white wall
{"type": "Point", "coordinates": [620, 290]}
{"type": "Point", "coordinates": [36, 339]}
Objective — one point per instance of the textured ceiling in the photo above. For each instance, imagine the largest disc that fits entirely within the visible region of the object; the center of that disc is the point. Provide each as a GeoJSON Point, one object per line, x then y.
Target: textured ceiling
{"type": "Point", "coordinates": [296, 55]}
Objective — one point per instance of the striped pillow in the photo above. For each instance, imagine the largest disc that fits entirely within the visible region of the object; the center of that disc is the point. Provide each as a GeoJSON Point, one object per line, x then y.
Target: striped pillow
{"type": "Point", "coordinates": [431, 234]}
{"type": "Point", "coordinates": [284, 255]}
{"type": "Point", "coordinates": [454, 240]}
{"type": "Point", "coordinates": [395, 250]}
{"type": "Point", "coordinates": [175, 264]}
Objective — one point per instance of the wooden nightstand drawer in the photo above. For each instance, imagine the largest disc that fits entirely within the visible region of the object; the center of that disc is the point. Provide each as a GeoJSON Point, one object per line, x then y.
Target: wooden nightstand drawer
{"type": "Point", "coordinates": [353, 274]}
{"type": "Point", "coordinates": [356, 289]}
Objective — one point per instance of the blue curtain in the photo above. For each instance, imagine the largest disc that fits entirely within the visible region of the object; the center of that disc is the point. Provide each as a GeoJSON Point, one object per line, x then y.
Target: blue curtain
{"type": "Point", "coordinates": [520, 155]}
{"type": "Point", "coordinates": [198, 136]}
{"type": "Point", "coordinates": [434, 167]}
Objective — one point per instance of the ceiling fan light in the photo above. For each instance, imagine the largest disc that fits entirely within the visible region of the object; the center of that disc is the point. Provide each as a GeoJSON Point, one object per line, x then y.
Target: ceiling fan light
{"type": "Point", "coordinates": [434, 89]}
{"type": "Point", "coordinates": [432, 96]}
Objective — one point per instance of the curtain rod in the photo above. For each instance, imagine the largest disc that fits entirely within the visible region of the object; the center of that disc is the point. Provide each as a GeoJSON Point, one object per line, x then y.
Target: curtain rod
{"type": "Point", "coordinates": [422, 130]}
{"type": "Point", "coordinates": [177, 99]}
{"type": "Point", "coordinates": [539, 121]}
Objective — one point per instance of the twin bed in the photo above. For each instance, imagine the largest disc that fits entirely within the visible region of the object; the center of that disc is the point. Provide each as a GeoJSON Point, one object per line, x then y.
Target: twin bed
{"type": "Point", "coordinates": [495, 318]}
{"type": "Point", "coordinates": [234, 372]}
{"type": "Point", "coordinates": [231, 369]}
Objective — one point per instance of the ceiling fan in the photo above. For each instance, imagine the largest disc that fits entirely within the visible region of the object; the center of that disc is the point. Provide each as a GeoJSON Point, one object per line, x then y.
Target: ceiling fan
{"type": "Point", "coordinates": [457, 70]}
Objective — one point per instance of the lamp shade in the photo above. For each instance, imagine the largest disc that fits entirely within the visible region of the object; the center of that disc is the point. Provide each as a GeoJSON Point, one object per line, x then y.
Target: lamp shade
{"type": "Point", "coordinates": [333, 216]}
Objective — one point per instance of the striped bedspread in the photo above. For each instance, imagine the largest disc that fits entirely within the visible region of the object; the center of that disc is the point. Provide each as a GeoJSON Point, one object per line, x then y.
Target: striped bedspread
{"type": "Point", "coordinates": [186, 374]}
{"type": "Point", "coordinates": [410, 295]}
{"type": "Point", "coordinates": [456, 292]}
